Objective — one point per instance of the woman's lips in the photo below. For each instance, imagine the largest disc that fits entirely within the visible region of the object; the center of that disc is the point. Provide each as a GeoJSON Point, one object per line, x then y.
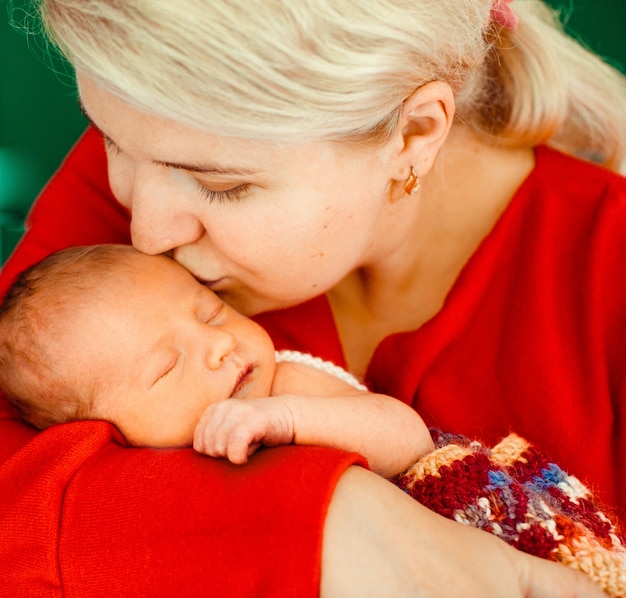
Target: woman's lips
{"type": "Point", "coordinates": [213, 284]}
{"type": "Point", "coordinates": [245, 375]}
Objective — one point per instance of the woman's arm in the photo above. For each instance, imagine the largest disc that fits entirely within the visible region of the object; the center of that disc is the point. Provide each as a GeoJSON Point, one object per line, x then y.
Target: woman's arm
{"type": "Point", "coordinates": [380, 543]}
{"type": "Point", "coordinates": [82, 515]}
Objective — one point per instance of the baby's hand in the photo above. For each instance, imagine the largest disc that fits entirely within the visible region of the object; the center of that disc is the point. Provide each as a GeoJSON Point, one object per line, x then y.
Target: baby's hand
{"type": "Point", "coordinates": [235, 428]}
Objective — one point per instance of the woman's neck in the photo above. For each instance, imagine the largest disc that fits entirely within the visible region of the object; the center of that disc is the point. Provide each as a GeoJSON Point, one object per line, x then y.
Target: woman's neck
{"type": "Point", "coordinates": [425, 244]}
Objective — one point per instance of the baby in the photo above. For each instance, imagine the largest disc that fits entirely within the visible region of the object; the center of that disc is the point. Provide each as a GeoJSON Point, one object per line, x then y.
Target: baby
{"type": "Point", "coordinates": [106, 332]}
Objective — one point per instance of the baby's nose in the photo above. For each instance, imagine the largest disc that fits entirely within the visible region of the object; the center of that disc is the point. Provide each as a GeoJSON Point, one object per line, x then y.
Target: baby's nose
{"type": "Point", "coordinates": [220, 344]}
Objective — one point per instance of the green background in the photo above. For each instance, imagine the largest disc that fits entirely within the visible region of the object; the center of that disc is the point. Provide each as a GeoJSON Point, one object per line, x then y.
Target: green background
{"type": "Point", "coordinates": [40, 120]}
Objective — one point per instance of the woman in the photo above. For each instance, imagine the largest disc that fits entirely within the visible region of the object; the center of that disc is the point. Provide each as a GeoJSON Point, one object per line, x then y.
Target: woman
{"type": "Point", "coordinates": [376, 170]}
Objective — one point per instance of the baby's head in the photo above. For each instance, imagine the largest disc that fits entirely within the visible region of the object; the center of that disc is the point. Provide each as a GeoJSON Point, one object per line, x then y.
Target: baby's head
{"type": "Point", "coordinates": [38, 317]}
{"type": "Point", "coordinates": [105, 332]}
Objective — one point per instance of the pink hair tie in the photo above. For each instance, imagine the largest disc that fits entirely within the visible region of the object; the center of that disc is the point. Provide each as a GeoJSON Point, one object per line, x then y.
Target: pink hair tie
{"type": "Point", "coordinates": [502, 14]}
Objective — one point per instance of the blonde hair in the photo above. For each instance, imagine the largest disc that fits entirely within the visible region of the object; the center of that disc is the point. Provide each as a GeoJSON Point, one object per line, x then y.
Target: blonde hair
{"type": "Point", "coordinates": [35, 377]}
{"type": "Point", "coordinates": [340, 69]}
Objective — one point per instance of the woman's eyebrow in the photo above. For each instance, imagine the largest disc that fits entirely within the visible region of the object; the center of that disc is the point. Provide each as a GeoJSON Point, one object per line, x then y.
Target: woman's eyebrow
{"type": "Point", "coordinates": [207, 168]}
{"type": "Point", "coordinates": [200, 168]}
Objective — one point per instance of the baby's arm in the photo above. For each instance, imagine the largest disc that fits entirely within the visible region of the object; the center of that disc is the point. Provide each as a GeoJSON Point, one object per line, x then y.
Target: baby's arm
{"type": "Point", "coordinates": [312, 407]}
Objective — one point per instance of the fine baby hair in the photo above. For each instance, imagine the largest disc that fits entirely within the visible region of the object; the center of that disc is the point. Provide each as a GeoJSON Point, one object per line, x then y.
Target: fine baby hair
{"type": "Point", "coordinates": [40, 304]}
{"type": "Point", "coordinates": [298, 70]}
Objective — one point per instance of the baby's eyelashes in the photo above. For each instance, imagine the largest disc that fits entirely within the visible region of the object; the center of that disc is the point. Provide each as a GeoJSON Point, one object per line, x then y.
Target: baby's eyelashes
{"type": "Point", "coordinates": [210, 311]}
{"type": "Point", "coordinates": [168, 369]}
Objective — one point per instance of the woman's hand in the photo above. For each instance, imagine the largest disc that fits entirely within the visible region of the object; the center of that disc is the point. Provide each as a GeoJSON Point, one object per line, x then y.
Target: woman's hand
{"type": "Point", "coordinates": [236, 428]}
{"type": "Point", "coordinates": [380, 543]}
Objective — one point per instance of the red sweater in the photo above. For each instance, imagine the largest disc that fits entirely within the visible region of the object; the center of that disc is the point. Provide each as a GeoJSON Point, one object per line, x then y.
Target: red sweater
{"type": "Point", "coordinates": [531, 339]}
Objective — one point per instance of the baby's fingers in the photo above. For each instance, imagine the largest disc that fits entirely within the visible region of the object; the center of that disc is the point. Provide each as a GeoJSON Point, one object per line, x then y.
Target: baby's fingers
{"type": "Point", "coordinates": [209, 436]}
{"type": "Point", "coordinates": [240, 445]}
{"type": "Point", "coordinates": [229, 429]}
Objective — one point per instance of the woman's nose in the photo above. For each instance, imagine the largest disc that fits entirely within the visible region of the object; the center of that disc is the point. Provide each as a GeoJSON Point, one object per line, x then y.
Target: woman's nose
{"type": "Point", "coordinates": [220, 344]}
{"type": "Point", "coordinates": [161, 215]}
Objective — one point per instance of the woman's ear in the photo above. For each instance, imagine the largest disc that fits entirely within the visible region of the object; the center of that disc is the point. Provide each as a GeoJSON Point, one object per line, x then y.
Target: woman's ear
{"type": "Point", "coordinates": [425, 121]}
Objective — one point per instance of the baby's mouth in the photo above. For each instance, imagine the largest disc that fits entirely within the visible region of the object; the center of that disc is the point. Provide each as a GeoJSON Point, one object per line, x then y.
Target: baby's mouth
{"type": "Point", "coordinates": [242, 379]}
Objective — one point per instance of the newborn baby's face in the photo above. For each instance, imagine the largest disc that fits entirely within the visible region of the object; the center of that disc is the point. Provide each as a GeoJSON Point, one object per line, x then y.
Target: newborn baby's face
{"type": "Point", "coordinates": [164, 347]}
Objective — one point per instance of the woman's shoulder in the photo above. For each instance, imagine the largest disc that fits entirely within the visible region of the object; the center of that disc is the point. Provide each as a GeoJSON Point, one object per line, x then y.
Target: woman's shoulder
{"type": "Point", "coordinates": [559, 173]}
{"type": "Point", "coordinates": [567, 203]}
{"type": "Point", "coordinates": [152, 519]}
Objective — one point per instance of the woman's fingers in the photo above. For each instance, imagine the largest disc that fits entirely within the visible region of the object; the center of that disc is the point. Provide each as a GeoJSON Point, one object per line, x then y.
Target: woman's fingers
{"type": "Point", "coordinates": [544, 579]}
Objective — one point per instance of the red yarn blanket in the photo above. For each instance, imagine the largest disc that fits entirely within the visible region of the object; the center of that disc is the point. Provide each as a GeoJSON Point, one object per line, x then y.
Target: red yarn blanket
{"type": "Point", "coordinates": [513, 491]}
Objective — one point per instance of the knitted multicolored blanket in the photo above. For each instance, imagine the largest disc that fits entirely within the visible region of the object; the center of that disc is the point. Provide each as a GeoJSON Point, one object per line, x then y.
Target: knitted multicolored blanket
{"type": "Point", "coordinates": [516, 493]}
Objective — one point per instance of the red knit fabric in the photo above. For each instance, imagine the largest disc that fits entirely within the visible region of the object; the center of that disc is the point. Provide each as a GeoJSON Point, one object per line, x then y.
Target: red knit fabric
{"type": "Point", "coordinates": [516, 493]}
{"type": "Point", "coordinates": [82, 516]}
{"type": "Point", "coordinates": [531, 339]}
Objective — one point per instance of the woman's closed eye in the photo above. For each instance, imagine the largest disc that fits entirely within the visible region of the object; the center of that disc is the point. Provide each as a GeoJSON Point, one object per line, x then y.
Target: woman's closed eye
{"type": "Point", "coordinates": [110, 146]}
{"type": "Point", "coordinates": [232, 194]}
{"type": "Point", "coordinates": [222, 195]}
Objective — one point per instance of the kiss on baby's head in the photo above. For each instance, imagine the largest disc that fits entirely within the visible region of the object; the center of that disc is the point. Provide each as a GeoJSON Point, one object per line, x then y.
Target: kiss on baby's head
{"type": "Point", "coordinates": [96, 332]}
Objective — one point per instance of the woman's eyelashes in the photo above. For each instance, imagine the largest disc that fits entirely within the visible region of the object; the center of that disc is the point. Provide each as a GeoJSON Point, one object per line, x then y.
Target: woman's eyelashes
{"type": "Point", "coordinates": [110, 146]}
{"type": "Point", "coordinates": [232, 194]}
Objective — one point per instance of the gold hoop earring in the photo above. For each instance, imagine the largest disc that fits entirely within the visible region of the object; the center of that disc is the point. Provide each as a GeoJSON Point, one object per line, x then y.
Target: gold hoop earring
{"type": "Point", "coordinates": [412, 183]}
